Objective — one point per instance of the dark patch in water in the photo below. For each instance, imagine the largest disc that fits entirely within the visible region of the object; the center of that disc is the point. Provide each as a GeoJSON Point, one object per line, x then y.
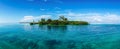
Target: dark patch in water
{"type": "Point", "coordinates": [52, 43]}
{"type": "Point", "coordinates": [87, 46]}
{"type": "Point", "coordinates": [71, 45]}
{"type": "Point", "coordinates": [28, 44]}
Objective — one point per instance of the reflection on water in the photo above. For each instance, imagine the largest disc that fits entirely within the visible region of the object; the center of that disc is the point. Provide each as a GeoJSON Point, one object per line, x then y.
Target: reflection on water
{"type": "Point", "coordinates": [60, 37]}
{"type": "Point", "coordinates": [27, 27]}
{"type": "Point", "coordinates": [61, 29]}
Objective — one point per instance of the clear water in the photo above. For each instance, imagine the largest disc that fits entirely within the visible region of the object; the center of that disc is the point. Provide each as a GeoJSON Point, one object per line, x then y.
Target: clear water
{"type": "Point", "coordinates": [18, 36]}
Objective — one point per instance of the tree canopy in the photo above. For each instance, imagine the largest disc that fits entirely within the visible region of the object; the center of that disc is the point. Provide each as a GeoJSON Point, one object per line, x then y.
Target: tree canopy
{"type": "Point", "coordinates": [61, 21]}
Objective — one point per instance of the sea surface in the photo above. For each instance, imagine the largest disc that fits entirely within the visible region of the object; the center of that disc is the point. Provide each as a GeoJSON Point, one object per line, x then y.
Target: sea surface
{"type": "Point", "coordinates": [24, 36]}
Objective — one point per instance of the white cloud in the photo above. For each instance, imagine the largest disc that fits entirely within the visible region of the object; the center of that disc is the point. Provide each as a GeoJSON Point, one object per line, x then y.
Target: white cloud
{"type": "Point", "coordinates": [96, 18]}
{"type": "Point", "coordinates": [104, 19]}
{"type": "Point", "coordinates": [43, 16]}
{"type": "Point", "coordinates": [27, 19]}
{"type": "Point", "coordinates": [35, 18]}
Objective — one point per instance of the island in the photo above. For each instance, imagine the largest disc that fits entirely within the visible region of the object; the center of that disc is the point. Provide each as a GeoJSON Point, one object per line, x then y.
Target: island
{"type": "Point", "coordinates": [62, 21]}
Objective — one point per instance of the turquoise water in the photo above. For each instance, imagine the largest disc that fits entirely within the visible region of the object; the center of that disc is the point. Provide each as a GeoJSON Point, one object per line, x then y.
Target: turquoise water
{"type": "Point", "coordinates": [19, 36]}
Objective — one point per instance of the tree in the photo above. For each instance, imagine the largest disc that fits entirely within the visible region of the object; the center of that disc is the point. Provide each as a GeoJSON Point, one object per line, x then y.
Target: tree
{"type": "Point", "coordinates": [62, 18]}
{"type": "Point", "coordinates": [62, 21]}
{"type": "Point", "coordinates": [65, 19]}
{"type": "Point", "coordinates": [55, 22]}
{"type": "Point", "coordinates": [42, 20]}
{"type": "Point", "coordinates": [49, 20]}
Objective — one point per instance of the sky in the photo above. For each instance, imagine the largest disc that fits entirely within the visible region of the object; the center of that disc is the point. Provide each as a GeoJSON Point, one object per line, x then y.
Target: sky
{"type": "Point", "coordinates": [93, 11]}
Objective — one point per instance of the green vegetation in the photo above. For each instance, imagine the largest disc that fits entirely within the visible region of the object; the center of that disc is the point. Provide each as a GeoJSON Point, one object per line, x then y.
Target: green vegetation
{"type": "Point", "coordinates": [61, 21]}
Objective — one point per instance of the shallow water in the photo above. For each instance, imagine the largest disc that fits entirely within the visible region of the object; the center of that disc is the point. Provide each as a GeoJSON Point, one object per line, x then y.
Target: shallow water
{"type": "Point", "coordinates": [19, 36]}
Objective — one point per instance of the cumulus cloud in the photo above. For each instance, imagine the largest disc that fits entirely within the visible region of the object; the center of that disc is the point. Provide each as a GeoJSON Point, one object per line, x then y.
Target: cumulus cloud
{"type": "Point", "coordinates": [27, 19]}
{"type": "Point", "coordinates": [35, 18]}
{"type": "Point", "coordinates": [43, 16]}
{"type": "Point", "coordinates": [94, 18]}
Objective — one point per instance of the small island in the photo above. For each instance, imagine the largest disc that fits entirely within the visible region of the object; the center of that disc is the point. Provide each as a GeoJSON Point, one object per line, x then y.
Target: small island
{"type": "Point", "coordinates": [62, 21]}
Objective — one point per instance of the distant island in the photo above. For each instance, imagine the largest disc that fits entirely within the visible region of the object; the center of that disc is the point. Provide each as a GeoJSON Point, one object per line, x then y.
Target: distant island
{"type": "Point", "coordinates": [61, 22]}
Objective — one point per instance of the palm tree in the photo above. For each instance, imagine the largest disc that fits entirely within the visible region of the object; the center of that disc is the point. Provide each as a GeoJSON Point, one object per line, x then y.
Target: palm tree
{"type": "Point", "coordinates": [62, 18]}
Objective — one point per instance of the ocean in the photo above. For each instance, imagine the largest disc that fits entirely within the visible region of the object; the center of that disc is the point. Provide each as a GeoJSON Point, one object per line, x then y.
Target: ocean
{"type": "Point", "coordinates": [25, 36]}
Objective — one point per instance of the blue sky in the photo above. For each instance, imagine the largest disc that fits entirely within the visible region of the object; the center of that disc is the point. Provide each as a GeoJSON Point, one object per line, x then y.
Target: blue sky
{"type": "Point", "coordinates": [93, 11]}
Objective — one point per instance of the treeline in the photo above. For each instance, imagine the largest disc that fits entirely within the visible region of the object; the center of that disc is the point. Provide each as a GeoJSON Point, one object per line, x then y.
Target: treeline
{"type": "Point", "coordinates": [61, 21]}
